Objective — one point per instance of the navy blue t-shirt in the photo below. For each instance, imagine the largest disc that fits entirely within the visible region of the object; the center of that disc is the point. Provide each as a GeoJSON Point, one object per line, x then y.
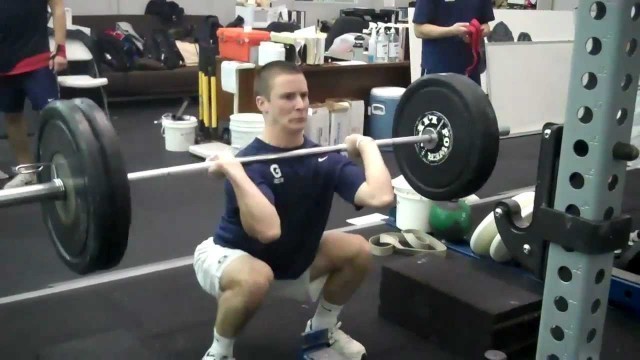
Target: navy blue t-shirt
{"type": "Point", "coordinates": [450, 54]}
{"type": "Point", "coordinates": [23, 31]}
{"type": "Point", "coordinates": [302, 191]}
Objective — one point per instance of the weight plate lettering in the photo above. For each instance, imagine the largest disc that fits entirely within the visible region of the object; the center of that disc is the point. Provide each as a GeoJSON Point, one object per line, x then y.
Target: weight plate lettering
{"type": "Point", "coordinates": [76, 225]}
{"type": "Point", "coordinates": [459, 114]}
{"type": "Point", "coordinates": [119, 218]}
{"type": "Point", "coordinates": [434, 123]}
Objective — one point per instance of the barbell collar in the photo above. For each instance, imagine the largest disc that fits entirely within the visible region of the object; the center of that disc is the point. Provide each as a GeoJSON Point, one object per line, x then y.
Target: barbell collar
{"type": "Point", "coordinates": [189, 168]}
{"type": "Point", "coordinates": [53, 190]}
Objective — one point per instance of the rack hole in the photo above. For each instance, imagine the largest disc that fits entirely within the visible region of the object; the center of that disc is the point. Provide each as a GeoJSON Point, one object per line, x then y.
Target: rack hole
{"type": "Point", "coordinates": [576, 180]}
{"type": "Point", "coordinates": [561, 304]}
{"type": "Point", "coordinates": [621, 117]}
{"type": "Point", "coordinates": [581, 148]}
{"type": "Point", "coordinates": [599, 276]}
{"type": "Point", "coordinates": [585, 114]}
{"type": "Point", "coordinates": [613, 182]}
{"type": "Point", "coordinates": [591, 335]}
{"type": "Point", "coordinates": [593, 46]}
{"type": "Point", "coordinates": [573, 210]}
{"type": "Point", "coordinates": [557, 333]}
{"type": "Point", "coordinates": [632, 45]}
{"type": "Point", "coordinates": [589, 81]}
{"type": "Point", "coordinates": [598, 10]}
{"type": "Point", "coordinates": [564, 273]}
{"type": "Point", "coordinates": [553, 357]}
{"type": "Point", "coordinates": [608, 214]}
{"type": "Point", "coordinates": [595, 306]}
{"type": "Point", "coordinates": [635, 11]}
{"type": "Point", "coordinates": [626, 82]}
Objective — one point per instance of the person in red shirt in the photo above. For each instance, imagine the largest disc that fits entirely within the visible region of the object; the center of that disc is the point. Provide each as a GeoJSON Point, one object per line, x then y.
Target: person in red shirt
{"type": "Point", "coordinates": [28, 68]}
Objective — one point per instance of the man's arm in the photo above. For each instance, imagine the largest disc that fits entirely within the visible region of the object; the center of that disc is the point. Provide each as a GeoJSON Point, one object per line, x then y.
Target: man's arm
{"type": "Point", "coordinates": [486, 17]}
{"type": "Point", "coordinates": [258, 215]}
{"type": "Point", "coordinates": [486, 29]}
{"type": "Point", "coordinates": [59, 61]}
{"type": "Point", "coordinates": [376, 190]}
{"type": "Point", "coordinates": [59, 21]}
{"type": "Point", "coordinates": [430, 31]}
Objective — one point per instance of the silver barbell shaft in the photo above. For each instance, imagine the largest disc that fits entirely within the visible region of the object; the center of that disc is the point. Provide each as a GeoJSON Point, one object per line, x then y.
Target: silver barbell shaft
{"type": "Point", "coordinates": [182, 169]}
{"type": "Point", "coordinates": [54, 190]}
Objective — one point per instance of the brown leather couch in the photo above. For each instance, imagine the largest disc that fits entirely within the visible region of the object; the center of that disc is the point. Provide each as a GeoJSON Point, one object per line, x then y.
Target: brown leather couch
{"type": "Point", "coordinates": [149, 83]}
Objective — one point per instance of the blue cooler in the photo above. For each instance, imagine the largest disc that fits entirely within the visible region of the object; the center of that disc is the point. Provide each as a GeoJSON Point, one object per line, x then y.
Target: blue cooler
{"type": "Point", "coordinates": [382, 108]}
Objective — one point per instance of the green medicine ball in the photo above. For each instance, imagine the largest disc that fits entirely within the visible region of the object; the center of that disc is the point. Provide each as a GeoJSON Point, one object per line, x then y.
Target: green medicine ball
{"type": "Point", "coordinates": [450, 220]}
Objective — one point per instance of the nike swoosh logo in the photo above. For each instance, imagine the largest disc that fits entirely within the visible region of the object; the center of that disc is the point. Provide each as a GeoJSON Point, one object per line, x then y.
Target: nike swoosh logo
{"type": "Point", "coordinates": [322, 159]}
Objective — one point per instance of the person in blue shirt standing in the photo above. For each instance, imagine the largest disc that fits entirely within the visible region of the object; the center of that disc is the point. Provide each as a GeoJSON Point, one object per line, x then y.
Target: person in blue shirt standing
{"type": "Point", "coordinates": [271, 238]}
{"type": "Point", "coordinates": [443, 26]}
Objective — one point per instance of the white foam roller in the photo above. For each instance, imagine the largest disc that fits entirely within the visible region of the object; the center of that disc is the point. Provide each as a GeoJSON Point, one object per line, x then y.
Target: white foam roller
{"type": "Point", "coordinates": [498, 251]}
{"type": "Point", "coordinates": [486, 232]}
{"type": "Point", "coordinates": [484, 235]}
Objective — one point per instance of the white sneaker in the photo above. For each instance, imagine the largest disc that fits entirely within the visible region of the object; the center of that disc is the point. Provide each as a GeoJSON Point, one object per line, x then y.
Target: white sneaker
{"type": "Point", "coordinates": [343, 343]}
{"type": "Point", "coordinates": [211, 356]}
{"type": "Point", "coordinates": [22, 180]}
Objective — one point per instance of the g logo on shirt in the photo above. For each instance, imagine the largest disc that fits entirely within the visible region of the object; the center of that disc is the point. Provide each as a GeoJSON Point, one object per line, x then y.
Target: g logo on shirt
{"type": "Point", "coordinates": [277, 174]}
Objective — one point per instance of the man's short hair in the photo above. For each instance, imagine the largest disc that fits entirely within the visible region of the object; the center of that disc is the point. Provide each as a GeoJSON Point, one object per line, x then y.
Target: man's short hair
{"type": "Point", "coordinates": [265, 75]}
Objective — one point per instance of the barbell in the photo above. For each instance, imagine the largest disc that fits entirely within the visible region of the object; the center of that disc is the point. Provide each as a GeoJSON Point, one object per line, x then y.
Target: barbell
{"type": "Point", "coordinates": [445, 141]}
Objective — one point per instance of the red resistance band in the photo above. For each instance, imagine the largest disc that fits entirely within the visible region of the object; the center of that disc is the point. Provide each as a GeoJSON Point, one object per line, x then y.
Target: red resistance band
{"type": "Point", "coordinates": [475, 37]}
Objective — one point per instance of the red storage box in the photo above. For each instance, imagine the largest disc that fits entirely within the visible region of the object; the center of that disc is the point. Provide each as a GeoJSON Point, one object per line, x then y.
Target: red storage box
{"type": "Point", "coordinates": [237, 44]}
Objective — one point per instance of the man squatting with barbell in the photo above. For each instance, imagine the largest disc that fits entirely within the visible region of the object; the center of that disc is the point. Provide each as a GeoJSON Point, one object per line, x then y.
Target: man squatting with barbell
{"type": "Point", "coordinates": [271, 239]}
{"type": "Point", "coordinates": [28, 68]}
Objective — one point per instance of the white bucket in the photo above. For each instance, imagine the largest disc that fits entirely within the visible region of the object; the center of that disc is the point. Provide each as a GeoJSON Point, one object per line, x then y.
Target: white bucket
{"type": "Point", "coordinates": [244, 127]}
{"type": "Point", "coordinates": [412, 209]}
{"type": "Point", "coordinates": [179, 135]}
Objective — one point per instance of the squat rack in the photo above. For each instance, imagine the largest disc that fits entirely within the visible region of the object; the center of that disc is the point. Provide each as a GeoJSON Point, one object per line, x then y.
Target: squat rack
{"type": "Point", "coordinates": [590, 177]}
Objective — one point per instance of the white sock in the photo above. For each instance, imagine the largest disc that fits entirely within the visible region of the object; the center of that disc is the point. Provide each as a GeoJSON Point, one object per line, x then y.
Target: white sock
{"type": "Point", "coordinates": [221, 345]}
{"type": "Point", "coordinates": [326, 315]}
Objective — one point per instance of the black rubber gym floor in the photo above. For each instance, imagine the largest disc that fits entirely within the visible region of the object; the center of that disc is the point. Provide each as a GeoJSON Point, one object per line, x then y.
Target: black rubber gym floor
{"type": "Point", "coordinates": [164, 314]}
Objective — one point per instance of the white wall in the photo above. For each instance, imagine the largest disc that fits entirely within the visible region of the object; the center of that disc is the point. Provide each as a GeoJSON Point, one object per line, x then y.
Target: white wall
{"type": "Point", "coordinates": [564, 4]}
{"type": "Point", "coordinates": [224, 9]}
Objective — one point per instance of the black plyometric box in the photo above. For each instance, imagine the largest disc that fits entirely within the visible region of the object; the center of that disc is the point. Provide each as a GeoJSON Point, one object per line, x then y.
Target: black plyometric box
{"type": "Point", "coordinates": [464, 305]}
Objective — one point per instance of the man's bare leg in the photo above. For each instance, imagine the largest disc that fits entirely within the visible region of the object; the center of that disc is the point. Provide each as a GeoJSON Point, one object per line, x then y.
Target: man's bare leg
{"type": "Point", "coordinates": [19, 137]}
{"type": "Point", "coordinates": [346, 259]}
{"type": "Point", "coordinates": [244, 284]}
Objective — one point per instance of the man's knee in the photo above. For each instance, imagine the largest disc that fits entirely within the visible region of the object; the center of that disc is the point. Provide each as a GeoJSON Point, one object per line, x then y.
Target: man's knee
{"type": "Point", "coordinates": [249, 277]}
{"type": "Point", "coordinates": [362, 256]}
{"type": "Point", "coordinates": [357, 251]}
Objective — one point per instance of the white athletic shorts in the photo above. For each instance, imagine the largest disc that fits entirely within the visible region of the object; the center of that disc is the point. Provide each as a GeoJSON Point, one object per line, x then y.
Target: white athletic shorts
{"type": "Point", "coordinates": [210, 261]}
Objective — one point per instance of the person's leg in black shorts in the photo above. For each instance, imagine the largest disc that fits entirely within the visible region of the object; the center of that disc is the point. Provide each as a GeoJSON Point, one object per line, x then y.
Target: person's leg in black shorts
{"type": "Point", "coordinates": [40, 87]}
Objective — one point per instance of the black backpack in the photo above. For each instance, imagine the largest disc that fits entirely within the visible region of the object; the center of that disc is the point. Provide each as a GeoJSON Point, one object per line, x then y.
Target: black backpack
{"type": "Point", "coordinates": [206, 33]}
{"type": "Point", "coordinates": [168, 11]}
{"type": "Point", "coordinates": [112, 52]}
{"type": "Point", "coordinates": [161, 46]}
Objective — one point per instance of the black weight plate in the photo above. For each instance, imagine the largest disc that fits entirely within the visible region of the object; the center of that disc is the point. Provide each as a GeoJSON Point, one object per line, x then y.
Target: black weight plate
{"type": "Point", "coordinates": [117, 179]}
{"type": "Point", "coordinates": [78, 224]}
{"type": "Point", "coordinates": [459, 113]}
